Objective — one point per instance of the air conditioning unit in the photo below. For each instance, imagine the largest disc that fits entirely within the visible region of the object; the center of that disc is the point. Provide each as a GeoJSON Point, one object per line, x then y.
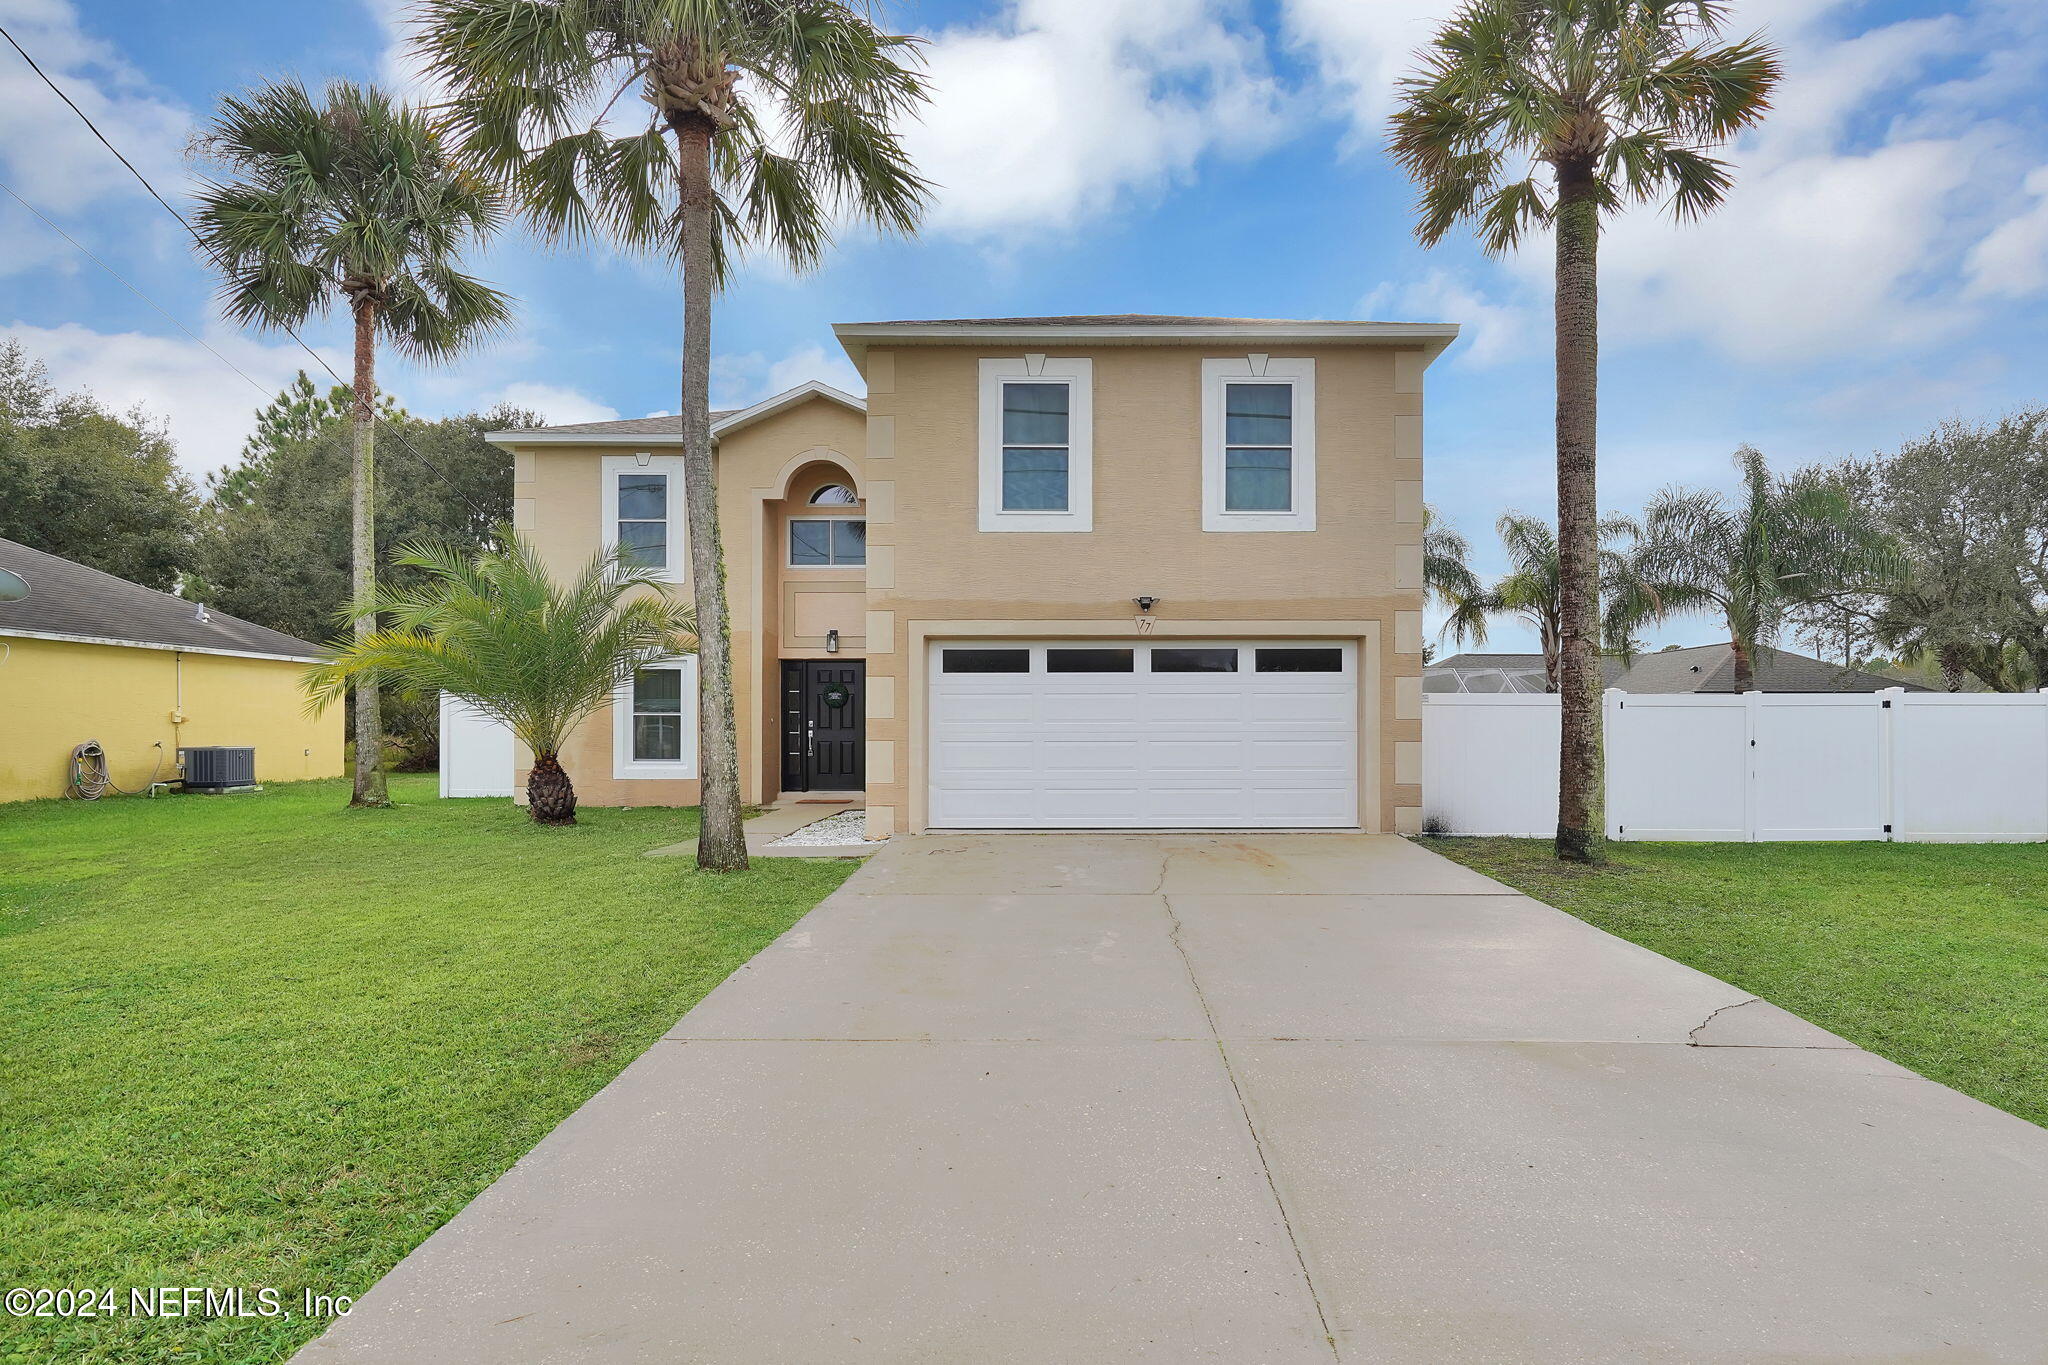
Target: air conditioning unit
{"type": "Point", "coordinates": [218, 769]}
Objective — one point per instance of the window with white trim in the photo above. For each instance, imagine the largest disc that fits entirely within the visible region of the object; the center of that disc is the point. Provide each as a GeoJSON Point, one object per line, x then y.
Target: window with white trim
{"type": "Point", "coordinates": [1037, 446]}
{"type": "Point", "coordinates": [822, 542]}
{"type": "Point", "coordinates": [643, 511]}
{"type": "Point", "coordinates": [654, 721]}
{"type": "Point", "coordinates": [1258, 444]}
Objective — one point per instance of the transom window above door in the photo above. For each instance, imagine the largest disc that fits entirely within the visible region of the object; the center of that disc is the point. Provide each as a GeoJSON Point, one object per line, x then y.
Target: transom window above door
{"type": "Point", "coordinates": [1037, 444]}
{"type": "Point", "coordinates": [834, 495]}
{"type": "Point", "coordinates": [826, 542]}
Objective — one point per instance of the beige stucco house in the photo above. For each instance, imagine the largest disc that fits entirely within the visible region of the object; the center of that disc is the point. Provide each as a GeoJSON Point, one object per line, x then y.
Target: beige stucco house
{"type": "Point", "coordinates": [1115, 571]}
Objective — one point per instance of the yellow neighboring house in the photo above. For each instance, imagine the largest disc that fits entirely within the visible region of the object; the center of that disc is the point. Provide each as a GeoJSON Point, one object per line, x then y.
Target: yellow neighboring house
{"type": "Point", "coordinates": [88, 656]}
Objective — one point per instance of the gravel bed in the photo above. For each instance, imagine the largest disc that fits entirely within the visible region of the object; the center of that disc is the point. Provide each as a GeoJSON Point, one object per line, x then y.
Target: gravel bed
{"type": "Point", "coordinates": [834, 831]}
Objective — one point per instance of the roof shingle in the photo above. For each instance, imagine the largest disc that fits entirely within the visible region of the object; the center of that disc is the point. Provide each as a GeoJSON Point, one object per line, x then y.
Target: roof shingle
{"type": "Point", "coordinates": [67, 598]}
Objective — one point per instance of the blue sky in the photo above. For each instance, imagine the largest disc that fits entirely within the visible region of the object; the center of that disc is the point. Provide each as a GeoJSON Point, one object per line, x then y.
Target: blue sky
{"type": "Point", "coordinates": [1882, 265]}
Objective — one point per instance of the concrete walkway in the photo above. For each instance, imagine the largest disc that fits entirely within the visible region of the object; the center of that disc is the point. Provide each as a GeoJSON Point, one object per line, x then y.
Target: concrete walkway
{"type": "Point", "coordinates": [1237, 1098]}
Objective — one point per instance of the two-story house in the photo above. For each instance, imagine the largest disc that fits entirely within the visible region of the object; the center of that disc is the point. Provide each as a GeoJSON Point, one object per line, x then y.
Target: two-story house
{"type": "Point", "coordinates": [1072, 572]}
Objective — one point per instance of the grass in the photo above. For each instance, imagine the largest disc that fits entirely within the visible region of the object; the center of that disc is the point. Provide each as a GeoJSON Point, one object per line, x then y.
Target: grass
{"type": "Point", "coordinates": [263, 1040]}
{"type": "Point", "coordinates": [1934, 955]}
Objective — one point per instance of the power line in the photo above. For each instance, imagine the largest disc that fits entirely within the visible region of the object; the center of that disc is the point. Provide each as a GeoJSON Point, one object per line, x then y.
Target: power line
{"type": "Point", "coordinates": [168, 315]}
{"type": "Point", "coordinates": [318, 359]}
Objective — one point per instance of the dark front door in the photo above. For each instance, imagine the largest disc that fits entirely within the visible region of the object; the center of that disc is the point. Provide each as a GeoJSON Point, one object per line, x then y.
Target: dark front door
{"type": "Point", "coordinates": [824, 725]}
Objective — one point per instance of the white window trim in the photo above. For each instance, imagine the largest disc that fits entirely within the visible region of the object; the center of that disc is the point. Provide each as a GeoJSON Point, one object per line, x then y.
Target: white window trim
{"type": "Point", "coordinates": [624, 766]}
{"type": "Point", "coordinates": [610, 468]}
{"type": "Point", "coordinates": [1259, 369]}
{"type": "Point", "coordinates": [789, 541]}
{"type": "Point", "coordinates": [1078, 373]}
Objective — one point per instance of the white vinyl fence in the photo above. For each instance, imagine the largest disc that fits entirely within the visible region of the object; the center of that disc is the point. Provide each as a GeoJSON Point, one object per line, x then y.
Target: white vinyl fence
{"type": "Point", "coordinates": [476, 752]}
{"type": "Point", "coordinates": [1965, 768]}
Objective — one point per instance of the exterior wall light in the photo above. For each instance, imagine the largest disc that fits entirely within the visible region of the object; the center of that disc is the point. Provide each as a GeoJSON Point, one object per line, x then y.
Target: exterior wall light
{"type": "Point", "coordinates": [832, 641]}
{"type": "Point", "coordinates": [1145, 604]}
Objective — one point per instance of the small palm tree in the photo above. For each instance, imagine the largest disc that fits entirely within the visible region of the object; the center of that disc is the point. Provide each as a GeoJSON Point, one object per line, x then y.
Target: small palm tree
{"type": "Point", "coordinates": [1530, 114]}
{"type": "Point", "coordinates": [351, 199]}
{"type": "Point", "coordinates": [497, 632]}
{"type": "Point", "coordinates": [810, 140]}
{"type": "Point", "coordinates": [1783, 542]}
{"type": "Point", "coordinates": [1447, 578]}
{"type": "Point", "coordinates": [1533, 590]}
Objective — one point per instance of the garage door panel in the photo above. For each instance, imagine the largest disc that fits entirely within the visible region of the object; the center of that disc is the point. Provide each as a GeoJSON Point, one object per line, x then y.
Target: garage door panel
{"type": "Point", "coordinates": [1138, 750]}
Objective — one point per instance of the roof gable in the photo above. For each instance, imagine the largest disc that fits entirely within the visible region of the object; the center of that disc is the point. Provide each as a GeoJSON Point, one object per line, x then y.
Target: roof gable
{"type": "Point", "coordinates": [667, 430]}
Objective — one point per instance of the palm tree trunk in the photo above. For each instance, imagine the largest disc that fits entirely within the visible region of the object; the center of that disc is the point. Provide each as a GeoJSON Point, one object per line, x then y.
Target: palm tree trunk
{"type": "Point", "coordinates": [721, 844]}
{"type": "Point", "coordinates": [369, 783]}
{"type": "Point", "coordinates": [1745, 664]}
{"type": "Point", "coordinates": [550, 795]}
{"type": "Point", "coordinates": [1580, 765]}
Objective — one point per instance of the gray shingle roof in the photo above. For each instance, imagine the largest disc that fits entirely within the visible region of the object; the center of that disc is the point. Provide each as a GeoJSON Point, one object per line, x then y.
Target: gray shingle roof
{"type": "Point", "coordinates": [1711, 668]}
{"type": "Point", "coordinates": [1076, 320]}
{"type": "Point", "coordinates": [67, 598]}
{"type": "Point", "coordinates": [668, 425]}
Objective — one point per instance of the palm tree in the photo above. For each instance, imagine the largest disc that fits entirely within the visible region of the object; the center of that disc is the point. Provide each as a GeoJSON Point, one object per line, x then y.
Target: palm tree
{"type": "Point", "coordinates": [1783, 542]}
{"type": "Point", "coordinates": [1529, 114]}
{"type": "Point", "coordinates": [1533, 590]}
{"type": "Point", "coordinates": [352, 198]}
{"type": "Point", "coordinates": [810, 141]}
{"type": "Point", "coordinates": [497, 632]}
{"type": "Point", "coordinates": [1447, 577]}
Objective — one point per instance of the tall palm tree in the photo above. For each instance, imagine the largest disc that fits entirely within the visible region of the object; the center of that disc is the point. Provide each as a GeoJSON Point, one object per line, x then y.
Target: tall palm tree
{"type": "Point", "coordinates": [1530, 114]}
{"type": "Point", "coordinates": [1533, 590]}
{"type": "Point", "coordinates": [497, 632]}
{"type": "Point", "coordinates": [1780, 543]}
{"type": "Point", "coordinates": [350, 198]}
{"type": "Point", "coordinates": [809, 141]}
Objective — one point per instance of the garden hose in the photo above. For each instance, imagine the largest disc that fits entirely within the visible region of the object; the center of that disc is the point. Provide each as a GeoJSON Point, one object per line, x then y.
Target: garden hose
{"type": "Point", "coordinates": [90, 779]}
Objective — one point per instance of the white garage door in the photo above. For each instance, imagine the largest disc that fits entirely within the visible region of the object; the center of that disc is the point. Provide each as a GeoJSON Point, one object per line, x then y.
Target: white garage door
{"type": "Point", "coordinates": [1148, 735]}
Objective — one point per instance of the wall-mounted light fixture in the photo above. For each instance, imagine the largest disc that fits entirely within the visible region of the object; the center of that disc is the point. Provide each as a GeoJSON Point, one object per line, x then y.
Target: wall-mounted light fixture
{"type": "Point", "coordinates": [1145, 604]}
{"type": "Point", "coordinates": [831, 642]}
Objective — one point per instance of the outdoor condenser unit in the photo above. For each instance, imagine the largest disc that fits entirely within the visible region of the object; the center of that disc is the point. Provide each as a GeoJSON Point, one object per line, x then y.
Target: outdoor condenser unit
{"type": "Point", "coordinates": [216, 769]}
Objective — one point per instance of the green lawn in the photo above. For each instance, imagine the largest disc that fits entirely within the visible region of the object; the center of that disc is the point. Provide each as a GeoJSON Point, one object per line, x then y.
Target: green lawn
{"type": "Point", "coordinates": [263, 1040]}
{"type": "Point", "coordinates": [1934, 955]}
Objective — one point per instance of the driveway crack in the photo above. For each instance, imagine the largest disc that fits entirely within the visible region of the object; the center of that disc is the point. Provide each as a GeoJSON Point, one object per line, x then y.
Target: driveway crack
{"type": "Point", "coordinates": [1692, 1038]}
{"type": "Point", "coordinates": [1258, 1143]}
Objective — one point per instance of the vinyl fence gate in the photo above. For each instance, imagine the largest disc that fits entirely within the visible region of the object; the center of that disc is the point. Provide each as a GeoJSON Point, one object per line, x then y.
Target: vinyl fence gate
{"type": "Point", "coordinates": [1966, 768]}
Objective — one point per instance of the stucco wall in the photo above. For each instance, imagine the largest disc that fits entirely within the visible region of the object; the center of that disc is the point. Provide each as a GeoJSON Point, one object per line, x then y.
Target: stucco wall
{"type": "Point", "coordinates": [57, 694]}
{"type": "Point", "coordinates": [932, 572]}
{"type": "Point", "coordinates": [556, 498]}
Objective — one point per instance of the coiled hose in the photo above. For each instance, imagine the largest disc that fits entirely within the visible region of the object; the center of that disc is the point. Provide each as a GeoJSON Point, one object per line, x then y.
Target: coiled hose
{"type": "Point", "coordinates": [90, 779]}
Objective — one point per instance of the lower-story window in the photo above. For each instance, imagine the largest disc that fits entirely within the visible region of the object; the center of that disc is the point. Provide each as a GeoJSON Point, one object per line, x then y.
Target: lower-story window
{"type": "Point", "coordinates": [654, 721]}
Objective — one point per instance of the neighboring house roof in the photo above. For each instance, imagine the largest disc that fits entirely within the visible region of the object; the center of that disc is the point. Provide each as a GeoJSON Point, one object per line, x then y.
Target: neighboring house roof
{"type": "Point", "coordinates": [68, 601]}
{"type": "Point", "coordinates": [1494, 673]}
{"type": "Point", "coordinates": [1711, 668]}
{"type": "Point", "coordinates": [1137, 328]}
{"type": "Point", "coordinates": [667, 430]}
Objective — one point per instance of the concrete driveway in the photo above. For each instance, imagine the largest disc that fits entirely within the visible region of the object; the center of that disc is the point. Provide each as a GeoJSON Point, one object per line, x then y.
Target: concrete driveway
{"type": "Point", "coordinates": [1072, 1098]}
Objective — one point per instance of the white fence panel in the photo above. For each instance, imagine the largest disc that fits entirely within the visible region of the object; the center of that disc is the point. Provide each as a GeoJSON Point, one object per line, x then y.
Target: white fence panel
{"type": "Point", "coordinates": [1970, 768]}
{"type": "Point", "coordinates": [1819, 766]}
{"type": "Point", "coordinates": [1489, 763]}
{"type": "Point", "coordinates": [1678, 767]}
{"type": "Point", "coordinates": [477, 757]}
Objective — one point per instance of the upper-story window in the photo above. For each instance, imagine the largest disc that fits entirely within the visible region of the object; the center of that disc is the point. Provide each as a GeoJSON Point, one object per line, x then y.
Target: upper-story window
{"type": "Point", "coordinates": [821, 542]}
{"type": "Point", "coordinates": [834, 495]}
{"type": "Point", "coordinates": [1258, 444]}
{"type": "Point", "coordinates": [1037, 444]}
{"type": "Point", "coordinates": [643, 511]}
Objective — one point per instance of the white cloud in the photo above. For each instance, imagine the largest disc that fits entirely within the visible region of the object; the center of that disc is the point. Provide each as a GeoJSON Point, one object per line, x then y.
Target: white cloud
{"type": "Point", "coordinates": [50, 156]}
{"type": "Point", "coordinates": [1491, 329]}
{"type": "Point", "coordinates": [556, 404]}
{"type": "Point", "coordinates": [1856, 203]}
{"type": "Point", "coordinates": [739, 381]}
{"type": "Point", "coordinates": [1062, 108]}
{"type": "Point", "coordinates": [206, 408]}
{"type": "Point", "coordinates": [2013, 259]}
